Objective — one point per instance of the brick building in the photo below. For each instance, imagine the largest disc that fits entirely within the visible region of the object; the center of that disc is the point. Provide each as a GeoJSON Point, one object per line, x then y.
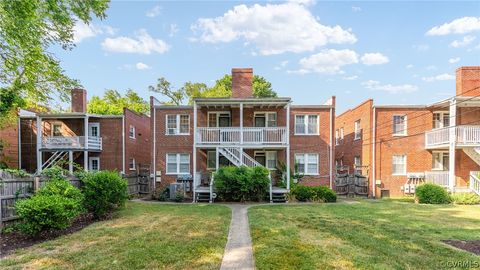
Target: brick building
{"type": "Point", "coordinates": [243, 130]}
{"type": "Point", "coordinates": [397, 146]}
{"type": "Point", "coordinates": [94, 142]}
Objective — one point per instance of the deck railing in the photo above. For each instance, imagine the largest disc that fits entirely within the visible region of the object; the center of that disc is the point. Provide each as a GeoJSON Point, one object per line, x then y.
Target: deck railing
{"type": "Point", "coordinates": [234, 135]}
{"type": "Point", "coordinates": [71, 142]}
{"type": "Point", "coordinates": [437, 177]}
{"type": "Point", "coordinates": [465, 135]}
{"type": "Point", "coordinates": [475, 182]}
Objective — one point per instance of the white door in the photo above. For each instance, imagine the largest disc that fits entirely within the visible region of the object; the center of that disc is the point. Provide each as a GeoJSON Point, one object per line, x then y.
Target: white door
{"type": "Point", "coordinates": [94, 129]}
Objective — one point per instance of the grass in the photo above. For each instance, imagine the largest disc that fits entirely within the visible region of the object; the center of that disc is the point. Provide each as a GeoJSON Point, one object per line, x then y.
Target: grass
{"type": "Point", "coordinates": [142, 236]}
{"type": "Point", "coordinates": [386, 234]}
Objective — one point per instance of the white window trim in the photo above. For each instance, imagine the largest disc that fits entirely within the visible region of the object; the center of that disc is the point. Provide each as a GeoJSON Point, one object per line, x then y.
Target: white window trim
{"type": "Point", "coordinates": [55, 124]}
{"type": "Point", "coordinates": [178, 164]}
{"type": "Point", "coordinates": [442, 114]}
{"type": "Point", "coordinates": [94, 125]}
{"type": "Point", "coordinates": [130, 131]}
{"type": "Point", "coordinates": [305, 158]}
{"type": "Point", "coordinates": [357, 135]}
{"type": "Point", "coordinates": [217, 113]}
{"type": "Point", "coordinates": [90, 159]}
{"type": "Point", "coordinates": [134, 165]}
{"type": "Point", "coordinates": [177, 125]}
{"type": "Point", "coordinates": [266, 117]}
{"type": "Point", "coordinates": [209, 168]}
{"type": "Point", "coordinates": [405, 169]}
{"type": "Point", "coordinates": [441, 162]}
{"type": "Point", "coordinates": [266, 153]}
{"type": "Point", "coordinates": [405, 130]}
{"type": "Point", "coordinates": [305, 122]}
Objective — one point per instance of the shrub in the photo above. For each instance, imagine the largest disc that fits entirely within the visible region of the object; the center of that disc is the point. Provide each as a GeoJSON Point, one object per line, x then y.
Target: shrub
{"type": "Point", "coordinates": [62, 188]}
{"type": "Point", "coordinates": [241, 183]}
{"type": "Point", "coordinates": [325, 194]}
{"type": "Point", "coordinates": [47, 212]}
{"type": "Point", "coordinates": [431, 194]}
{"type": "Point", "coordinates": [465, 198]}
{"type": "Point", "coordinates": [318, 193]}
{"type": "Point", "coordinates": [54, 173]}
{"type": "Point", "coordinates": [303, 193]}
{"type": "Point", "coordinates": [104, 191]}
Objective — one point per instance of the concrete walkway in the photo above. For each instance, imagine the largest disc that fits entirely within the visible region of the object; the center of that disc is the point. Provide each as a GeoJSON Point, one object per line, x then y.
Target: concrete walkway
{"type": "Point", "coordinates": [238, 252]}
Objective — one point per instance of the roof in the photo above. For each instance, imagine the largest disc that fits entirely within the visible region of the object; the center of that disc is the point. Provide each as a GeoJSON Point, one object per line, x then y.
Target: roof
{"type": "Point", "coordinates": [400, 106]}
{"type": "Point", "coordinates": [66, 115]}
{"type": "Point", "coordinates": [245, 100]}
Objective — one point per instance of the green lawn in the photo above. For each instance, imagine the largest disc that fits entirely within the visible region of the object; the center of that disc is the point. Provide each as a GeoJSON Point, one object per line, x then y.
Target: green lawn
{"type": "Point", "coordinates": [366, 235]}
{"type": "Point", "coordinates": [149, 236]}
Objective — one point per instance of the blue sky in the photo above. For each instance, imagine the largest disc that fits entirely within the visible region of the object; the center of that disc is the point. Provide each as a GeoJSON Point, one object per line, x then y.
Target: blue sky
{"type": "Point", "coordinates": [394, 52]}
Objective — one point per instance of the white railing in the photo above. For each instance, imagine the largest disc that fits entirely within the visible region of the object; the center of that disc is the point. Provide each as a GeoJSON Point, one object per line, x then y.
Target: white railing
{"type": "Point", "coordinates": [437, 177]}
{"type": "Point", "coordinates": [71, 142]}
{"type": "Point", "coordinates": [475, 182]}
{"type": "Point", "coordinates": [234, 135]}
{"type": "Point", "coordinates": [465, 135]}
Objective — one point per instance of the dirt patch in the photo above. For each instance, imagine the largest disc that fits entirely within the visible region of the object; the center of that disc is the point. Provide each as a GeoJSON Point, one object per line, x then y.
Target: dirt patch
{"type": "Point", "coordinates": [472, 246]}
{"type": "Point", "coordinates": [12, 241]}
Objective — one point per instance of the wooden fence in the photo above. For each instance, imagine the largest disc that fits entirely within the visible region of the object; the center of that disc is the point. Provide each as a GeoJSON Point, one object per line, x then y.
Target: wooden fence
{"type": "Point", "coordinates": [351, 185]}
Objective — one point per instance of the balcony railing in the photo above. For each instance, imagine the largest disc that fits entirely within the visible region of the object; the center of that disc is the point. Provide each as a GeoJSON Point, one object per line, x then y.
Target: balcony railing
{"type": "Point", "coordinates": [72, 142]}
{"type": "Point", "coordinates": [437, 177]}
{"type": "Point", "coordinates": [465, 135]}
{"type": "Point", "coordinates": [234, 135]}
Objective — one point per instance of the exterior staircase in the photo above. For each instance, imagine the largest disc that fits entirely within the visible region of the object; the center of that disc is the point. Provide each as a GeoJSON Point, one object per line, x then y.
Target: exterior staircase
{"type": "Point", "coordinates": [56, 157]}
{"type": "Point", "coordinates": [473, 153]}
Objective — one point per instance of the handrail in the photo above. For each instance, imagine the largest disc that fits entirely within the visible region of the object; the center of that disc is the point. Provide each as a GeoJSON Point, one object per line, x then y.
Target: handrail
{"type": "Point", "coordinates": [270, 191]}
{"type": "Point", "coordinates": [475, 182]}
{"type": "Point", "coordinates": [245, 135]}
{"type": "Point", "coordinates": [211, 188]}
{"type": "Point", "coordinates": [71, 142]}
{"type": "Point", "coordinates": [464, 134]}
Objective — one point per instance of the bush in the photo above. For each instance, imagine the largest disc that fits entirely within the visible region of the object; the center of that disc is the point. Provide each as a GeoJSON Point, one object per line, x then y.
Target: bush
{"type": "Point", "coordinates": [62, 188]}
{"type": "Point", "coordinates": [431, 194]}
{"type": "Point", "coordinates": [465, 198]}
{"type": "Point", "coordinates": [104, 191]}
{"type": "Point", "coordinates": [54, 173]}
{"type": "Point", "coordinates": [47, 212]}
{"type": "Point", "coordinates": [241, 183]}
{"type": "Point", "coordinates": [310, 194]}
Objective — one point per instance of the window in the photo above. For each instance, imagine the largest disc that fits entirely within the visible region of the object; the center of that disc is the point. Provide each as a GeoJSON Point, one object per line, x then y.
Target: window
{"type": "Point", "coordinates": [131, 164]}
{"type": "Point", "coordinates": [211, 160]}
{"type": "Point", "coordinates": [306, 124]}
{"type": "Point", "coordinates": [440, 161]}
{"type": "Point", "coordinates": [341, 133]}
{"type": "Point", "coordinates": [219, 119]}
{"type": "Point", "coordinates": [57, 129]}
{"type": "Point", "coordinates": [93, 163]}
{"type": "Point", "coordinates": [131, 132]}
{"type": "Point", "coordinates": [178, 124]}
{"type": "Point", "coordinates": [399, 165]}
{"type": "Point", "coordinates": [94, 129]}
{"type": "Point", "coordinates": [337, 137]}
{"type": "Point", "coordinates": [441, 119]}
{"type": "Point", "coordinates": [358, 130]}
{"type": "Point", "coordinates": [399, 125]}
{"type": "Point", "coordinates": [357, 162]}
{"type": "Point", "coordinates": [306, 164]}
{"type": "Point", "coordinates": [268, 119]}
{"type": "Point", "coordinates": [178, 163]}
{"type": "Point", "coordinates": [267, 159]}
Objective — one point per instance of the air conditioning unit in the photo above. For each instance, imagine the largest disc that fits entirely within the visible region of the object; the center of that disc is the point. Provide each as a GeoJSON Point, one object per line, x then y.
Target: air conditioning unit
{"type": "Point", "coordinates": [175, 188]}
{"type": "Point", "coordinates": [416, 175]}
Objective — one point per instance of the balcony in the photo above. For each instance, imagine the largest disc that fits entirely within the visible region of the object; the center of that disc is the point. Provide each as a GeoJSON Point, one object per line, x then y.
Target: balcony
{"type": "Point", "coordinates": [465, 136]}
{"type": "Point", "coordinates": [437, 177]}
{"type": "Point", "coordinates": [71, 143]}
{"type": "Point", "coordinates": [249, 136]}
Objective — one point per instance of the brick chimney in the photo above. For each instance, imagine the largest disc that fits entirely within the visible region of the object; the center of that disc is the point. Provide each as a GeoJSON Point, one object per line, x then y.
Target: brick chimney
{"type": "Point", "coordinates": [468, 78]}
{"type": "Point", "coordinates": [79, 100]}
{"type": "Point", "coordinates": [242, 79]}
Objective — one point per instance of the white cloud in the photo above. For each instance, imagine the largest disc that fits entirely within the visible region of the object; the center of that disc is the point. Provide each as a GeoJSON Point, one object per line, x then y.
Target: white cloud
{"type": "Point", "coordinates": [173, 29]}
{"type": "Point", "coordinates": [142, 66]}
{"type": "Point", "coordinates": [154, 12]}
{"type": "Point", "coordinates": [390, 88]}
{"type": "Point", "coordinates": [350, 78]}
{"type": "Point", "coordinates": [441, 77]}
{"type": "Point", "coordinates": [143, 43]}
{"type": "Point", "coordinates": [272, 28]}
{"type": "Point", "coordinates": [356, 9]}
{"type": "Point", "coordinates": [409, 66]}
{"type": "Point", "coordinates": [464, 42]}
{"type": "Point", "coordinates": [458, 26]}
{"type": "Point", "coordinates": [282, 65]}
{"type": "Point", "coordinates": [82, 31]}
{"type": "Point", "coordinates": [374, 59]}
{"type": "Point", "coordinates": [328, 61]}
{"type": "Point", "coordinates": [454, 60]}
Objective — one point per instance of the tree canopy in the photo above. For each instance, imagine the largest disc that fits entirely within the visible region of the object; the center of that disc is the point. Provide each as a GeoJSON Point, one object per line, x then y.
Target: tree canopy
{"type": "Point", "coordinates": [112, 103]}
{"type": "Point", "coordinates": [222, 88]}
{"type": "Point", "coordinates": [28, 29]}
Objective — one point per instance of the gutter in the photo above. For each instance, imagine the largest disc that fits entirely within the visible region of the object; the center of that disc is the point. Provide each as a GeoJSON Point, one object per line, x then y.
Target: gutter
{"type": "Point", "coordinates": [374, 144]}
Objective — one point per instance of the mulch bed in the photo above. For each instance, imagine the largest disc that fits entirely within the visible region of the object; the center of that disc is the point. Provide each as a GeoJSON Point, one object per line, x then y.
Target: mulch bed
{"type": "Point", "coordinates": [12, 241]}
{"type": "Point", "coordinates": [472, 246]}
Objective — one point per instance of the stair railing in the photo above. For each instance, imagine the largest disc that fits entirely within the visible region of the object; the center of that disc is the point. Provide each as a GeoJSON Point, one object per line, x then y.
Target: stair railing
{"type": "Point", "coordinates": [271, 188]}
{"type": "Point", "coordinates": [475, 182]}
{"type": "Point", "coordinates": [211, 188]}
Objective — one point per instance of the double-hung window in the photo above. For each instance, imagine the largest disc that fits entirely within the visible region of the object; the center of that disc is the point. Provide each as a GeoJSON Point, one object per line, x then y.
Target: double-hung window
{"type": "Point", "coordinates": [358, 130]}
{"type": "Point", "coordinates": [132, 132]}
{"type": "Point", "coordinates": [57, 129]}
{"type": "Point", "coordinates": [306, 164]}
{"type": "Point", "coordinates": [178, 163]}
{"type": "Point", "coordinates": [399, 125]}
{"type": "Point", "coordinates": [131, 164]}
{"type": "Point", "coordinates": [399, 165]}
{"type": "Point", "coordinates": [337, 137]}
{"type": "Point", "coordinates": [178, 124]}
{"type": "Point", "coordinates": [441, 119]}
{"type": "Point", "coordinates": [440, 161]}
{"type": "Point", "coordinates": [267, 159]}
{"type": "Point", "coordinates": [357, 162]}
{"type": "Point", "coordinates": [306, 124]}
{"type": "Point", "coordinates": [267, 119]}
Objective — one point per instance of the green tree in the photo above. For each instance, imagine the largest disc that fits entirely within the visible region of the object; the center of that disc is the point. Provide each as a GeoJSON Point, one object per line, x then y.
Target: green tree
{"type": "Point", "coordinates": [164, 88]}
{"type": "Point", "coordinates": [28, 29]}
{"type": "Point", "coordinates": [112, 103]}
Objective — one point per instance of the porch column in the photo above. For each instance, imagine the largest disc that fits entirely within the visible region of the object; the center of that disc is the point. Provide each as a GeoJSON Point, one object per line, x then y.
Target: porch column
{"type": "Point", "coordinates": [194, 149]}
{"type": "Point", "coordinates": [452, 144]}
{"type": "Point", "coordinates": [70, 162]}
{"type": "Point", "coordinates": [241, 123]}
{"type": "Point", "coordinates": [85, 152]}
{"type": "Point", "coordinates": [39, 145]}
{"type": "Point", "coordinates": [288, 145]}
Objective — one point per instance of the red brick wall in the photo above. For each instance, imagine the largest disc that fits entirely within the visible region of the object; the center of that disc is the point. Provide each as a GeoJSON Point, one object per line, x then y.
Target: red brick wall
{"type": "Point", "coordinates": [79, 100]}
{"type": "Point", "coordinates": [242, 79]}
{"type": "Point", "coordinates": [9, 140]}
{"type": "Point", "coordinates": [138, 148]}
{"type": "Point", "coordinates": [111, 133]}
{"type": "Point", "coordinates": [468, 81]}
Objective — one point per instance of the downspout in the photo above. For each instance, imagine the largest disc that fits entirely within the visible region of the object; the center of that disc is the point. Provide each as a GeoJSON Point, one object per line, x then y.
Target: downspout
{"type": "Point", "coordinates": [331, 149]}
{"type": "Point", "coordinates": [374, 133]}
{"type": "Point", "coordinates": [154, 156]}
{"type": "Point", "coordinates": [19, 144]}
{"type": "Point", "coordinates": [123, 142]}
